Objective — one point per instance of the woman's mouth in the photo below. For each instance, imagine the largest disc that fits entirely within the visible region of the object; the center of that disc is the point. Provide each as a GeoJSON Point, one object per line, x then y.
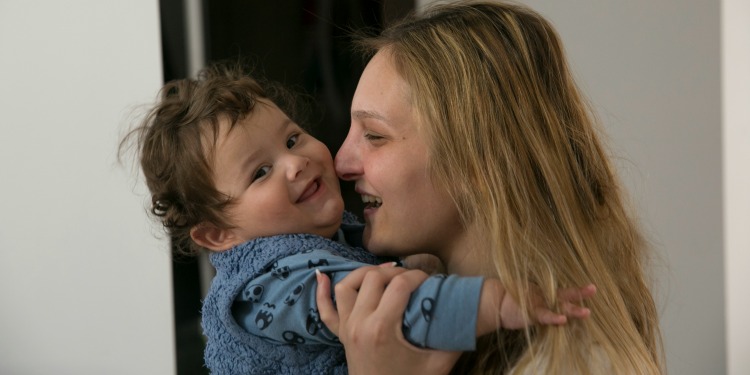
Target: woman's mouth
{"type": "Point", "coordinates": [371, 201]}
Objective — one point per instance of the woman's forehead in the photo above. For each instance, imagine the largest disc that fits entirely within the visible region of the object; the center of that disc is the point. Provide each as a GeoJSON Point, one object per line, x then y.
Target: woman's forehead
{"type": "Point", "coordinates": [382, 94]}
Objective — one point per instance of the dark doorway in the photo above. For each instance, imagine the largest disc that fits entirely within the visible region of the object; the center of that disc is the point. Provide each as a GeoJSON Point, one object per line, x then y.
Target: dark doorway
{"type": "Point", "coordinates": [303, 44]}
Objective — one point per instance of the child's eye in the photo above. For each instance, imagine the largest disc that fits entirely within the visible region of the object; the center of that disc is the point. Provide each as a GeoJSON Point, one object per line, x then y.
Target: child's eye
{"type": "Point", "coordinates": [292, 141]}
{"type": "Point", "coordinates": [262, 171]}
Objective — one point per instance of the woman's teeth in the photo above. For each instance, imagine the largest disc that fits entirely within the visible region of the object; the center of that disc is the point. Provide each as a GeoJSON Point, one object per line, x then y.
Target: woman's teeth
{"type": "Point", "coordinates": [371, 201]}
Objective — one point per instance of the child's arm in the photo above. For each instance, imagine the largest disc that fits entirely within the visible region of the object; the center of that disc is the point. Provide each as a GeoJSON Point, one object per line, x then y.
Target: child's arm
{"type": "Point", "coordinates": [440, 312]}
{"type": "Point", "coordinates": [462, 308]}
{"type": "Point", "coordinates": [281, 305]}
{"type": "Point", "coordinates": [498, 310]}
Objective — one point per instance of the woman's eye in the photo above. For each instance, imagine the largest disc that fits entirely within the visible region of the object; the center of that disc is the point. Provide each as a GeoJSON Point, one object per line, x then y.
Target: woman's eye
{"type": "Point", "coordinates": [373, 137]}
{"type": "Point", "coordinates": [261, 172]}
{"type": "Point", "coordinates": [292, 141]}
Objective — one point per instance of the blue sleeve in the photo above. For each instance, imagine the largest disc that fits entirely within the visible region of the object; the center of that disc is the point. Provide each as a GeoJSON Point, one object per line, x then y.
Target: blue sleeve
{"type": "Point", "coordinates": [280, 304]}
{"type": "Point", "coordinates": [442, 313]}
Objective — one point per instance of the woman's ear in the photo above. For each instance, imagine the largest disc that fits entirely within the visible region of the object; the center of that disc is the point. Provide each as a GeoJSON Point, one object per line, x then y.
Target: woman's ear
{"type": "Point", "coordinates": [211, 237]}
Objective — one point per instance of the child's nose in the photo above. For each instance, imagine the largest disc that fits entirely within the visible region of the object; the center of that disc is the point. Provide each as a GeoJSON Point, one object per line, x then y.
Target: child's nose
{"type": "Point", "coordinates": [295, 165]}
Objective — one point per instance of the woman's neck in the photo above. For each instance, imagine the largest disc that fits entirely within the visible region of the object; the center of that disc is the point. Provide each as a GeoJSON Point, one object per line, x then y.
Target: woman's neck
{"type": "Point", "coordinates": [466, 255]}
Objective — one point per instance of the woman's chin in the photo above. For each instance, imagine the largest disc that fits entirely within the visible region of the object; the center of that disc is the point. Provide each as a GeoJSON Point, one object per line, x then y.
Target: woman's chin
{"type": "Point", "coordinates": [372, 244]}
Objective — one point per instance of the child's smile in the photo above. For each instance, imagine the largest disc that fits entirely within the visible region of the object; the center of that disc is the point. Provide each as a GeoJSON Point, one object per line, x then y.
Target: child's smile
{"type": "Point", "coordinates": [280, 178]}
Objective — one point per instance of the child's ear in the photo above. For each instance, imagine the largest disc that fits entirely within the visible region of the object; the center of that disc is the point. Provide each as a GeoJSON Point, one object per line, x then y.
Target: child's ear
{"type": "Point", "coordinates": [212, 237]}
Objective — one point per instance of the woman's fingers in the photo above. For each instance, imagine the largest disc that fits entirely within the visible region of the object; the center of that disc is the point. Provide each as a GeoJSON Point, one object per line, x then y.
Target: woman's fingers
{"type": "Point", "coordinates": [397, 293]}
{"type": "Point", "coordinates": [326, 310]}
{"type": "Point", "coordinates": [373, 286]}
{"type": "Point", "coordinates": [368, 283]}
{"type": "Point", "coordinates": [371, 303]}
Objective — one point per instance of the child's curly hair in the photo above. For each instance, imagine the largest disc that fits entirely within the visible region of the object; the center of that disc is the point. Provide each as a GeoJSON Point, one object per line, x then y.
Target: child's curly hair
{"type": "Point", "coordinates": [175, 145]}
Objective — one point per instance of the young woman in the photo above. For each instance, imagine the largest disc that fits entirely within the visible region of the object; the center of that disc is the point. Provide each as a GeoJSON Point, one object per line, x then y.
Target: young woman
{"type": "Point", "coordinates": [470, 141]}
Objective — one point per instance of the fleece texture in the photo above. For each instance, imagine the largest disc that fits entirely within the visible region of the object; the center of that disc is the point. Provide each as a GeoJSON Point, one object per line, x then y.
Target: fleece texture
{"type": "Point", "coordinates": [232, 350]}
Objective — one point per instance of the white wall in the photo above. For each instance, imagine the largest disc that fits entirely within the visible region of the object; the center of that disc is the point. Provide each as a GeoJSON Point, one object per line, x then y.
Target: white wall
{"type": "Point", "coordinates": [85, 286]}
{"type": "Point", "coordinates": [653, 69]}
{"type": "Point", "coordinates": [736, 117]}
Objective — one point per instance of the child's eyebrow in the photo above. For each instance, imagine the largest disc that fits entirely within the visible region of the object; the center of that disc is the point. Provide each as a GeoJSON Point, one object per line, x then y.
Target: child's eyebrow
{"type": "Point", "coordinates": [286, 123]}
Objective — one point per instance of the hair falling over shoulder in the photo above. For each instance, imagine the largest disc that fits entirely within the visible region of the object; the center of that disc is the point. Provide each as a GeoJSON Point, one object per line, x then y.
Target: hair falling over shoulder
{"type": "Point", "coordinates": [519, 149]}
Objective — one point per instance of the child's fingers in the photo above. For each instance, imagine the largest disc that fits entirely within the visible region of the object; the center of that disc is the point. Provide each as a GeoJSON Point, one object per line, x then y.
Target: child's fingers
{"type": "Point", "coordinates": [328, 313]}
{"type": "Point", "coordinates": [545, 316]}
{"type": "Point", "coordinates": [575, 311]}
{"type": "Point", "coordinates": [577, 294]}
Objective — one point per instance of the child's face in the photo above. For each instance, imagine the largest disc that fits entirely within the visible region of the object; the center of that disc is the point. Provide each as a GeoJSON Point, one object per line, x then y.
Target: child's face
{"type": "Point", "coordinates": [282, 179]}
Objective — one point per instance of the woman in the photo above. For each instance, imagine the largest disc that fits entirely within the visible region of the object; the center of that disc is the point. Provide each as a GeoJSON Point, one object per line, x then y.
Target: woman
{"type": "Point", "coordinates": [470, 141]}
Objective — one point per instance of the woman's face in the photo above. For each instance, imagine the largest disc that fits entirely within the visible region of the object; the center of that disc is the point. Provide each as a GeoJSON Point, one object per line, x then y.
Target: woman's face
{"type": "Point", "coordinates": [386, 155]}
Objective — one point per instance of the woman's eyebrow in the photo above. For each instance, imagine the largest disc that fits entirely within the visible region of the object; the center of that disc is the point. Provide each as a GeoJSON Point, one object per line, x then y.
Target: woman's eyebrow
{"type": "Point", "coordinates": [363, 114]}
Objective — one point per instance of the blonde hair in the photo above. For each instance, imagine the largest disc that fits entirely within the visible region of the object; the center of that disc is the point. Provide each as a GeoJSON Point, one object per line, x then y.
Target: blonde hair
{"type": "Point", "coordinates": [516, 145]}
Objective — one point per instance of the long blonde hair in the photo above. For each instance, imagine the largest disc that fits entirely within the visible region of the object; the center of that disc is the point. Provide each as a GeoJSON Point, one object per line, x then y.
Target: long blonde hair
{"type": "Point", "coordinates": [517, 146]}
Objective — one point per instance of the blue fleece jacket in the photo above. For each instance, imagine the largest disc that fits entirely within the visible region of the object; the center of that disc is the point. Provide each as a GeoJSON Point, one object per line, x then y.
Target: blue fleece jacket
{"type": "Point", "coordinates": [260, 314]}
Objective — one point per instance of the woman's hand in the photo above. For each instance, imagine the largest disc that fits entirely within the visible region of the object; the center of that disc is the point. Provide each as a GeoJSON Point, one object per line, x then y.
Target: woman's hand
{"type": "Point", "coordinates": [371, 303]}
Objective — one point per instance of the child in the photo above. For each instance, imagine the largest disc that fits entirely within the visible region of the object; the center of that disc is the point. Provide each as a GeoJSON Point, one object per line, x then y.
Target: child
{"type": "Point", "coordinates": [230, 172]}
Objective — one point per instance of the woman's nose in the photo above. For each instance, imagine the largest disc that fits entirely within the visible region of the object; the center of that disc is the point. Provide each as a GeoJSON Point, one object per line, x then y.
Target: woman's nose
{"type": "Point", "coordinates": [348, 160]}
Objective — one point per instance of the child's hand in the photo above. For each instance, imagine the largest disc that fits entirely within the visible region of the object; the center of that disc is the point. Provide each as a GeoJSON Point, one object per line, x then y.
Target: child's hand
{"type": "Point", "coordinates": [511, 316]}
